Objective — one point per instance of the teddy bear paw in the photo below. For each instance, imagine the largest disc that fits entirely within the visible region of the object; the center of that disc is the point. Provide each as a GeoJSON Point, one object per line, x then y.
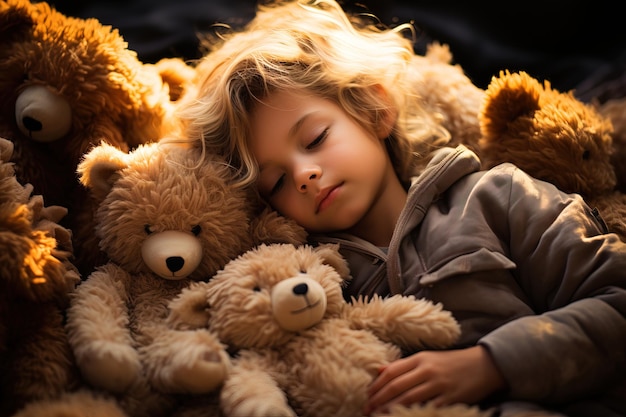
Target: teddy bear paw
{"type": "Point", "coordinates": [113, 371]}
{"type": "Point", "coordinates": [262, 409]}
{"type": "Point", "coordinates": [203, 376]}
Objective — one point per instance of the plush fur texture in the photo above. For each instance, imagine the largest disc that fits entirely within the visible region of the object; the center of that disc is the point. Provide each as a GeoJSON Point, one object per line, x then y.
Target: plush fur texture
{"type": "Point", "coordinates": [301, 348]}
{"type": "Point", "coordinates": [166, 217]}
{"type": "Point", "coordinates": [429, 410]}
{"type": "Point", "coordinates": [447, 91]}
{"type": "Point", "coordinates": [36, 278]}
{"type": "Point", "coordinates": [82, 403]}
{"type": "Point", "coordinates": [554, 137]}
{"type": "Point", "coordinates": [615, 110]}
{"type": "Point", "coordinates": [66, 84]}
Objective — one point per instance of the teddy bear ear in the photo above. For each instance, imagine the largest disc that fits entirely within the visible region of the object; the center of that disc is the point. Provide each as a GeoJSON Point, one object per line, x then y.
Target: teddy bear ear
{"type": "Point", "coordinates": [330, 256]}
{"type": "Point", "coordinates": [15, 20]}
{"type": "Point", "coordinates": [99, 169]}
{"type": "Point", "coordinates": [508, 97]}
{"type": "Point", "coordinates": [176, 74]}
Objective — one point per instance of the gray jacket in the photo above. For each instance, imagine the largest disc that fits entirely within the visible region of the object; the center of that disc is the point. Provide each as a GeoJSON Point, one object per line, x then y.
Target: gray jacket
{"type": "Point", "coordinates": [527, 270]}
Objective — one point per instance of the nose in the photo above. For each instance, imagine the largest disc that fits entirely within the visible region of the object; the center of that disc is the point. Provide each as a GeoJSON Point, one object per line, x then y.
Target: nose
{"type": "Point", "coordinates": [301, 289]}
{"type": "Point", "coordinates": [306, 176]}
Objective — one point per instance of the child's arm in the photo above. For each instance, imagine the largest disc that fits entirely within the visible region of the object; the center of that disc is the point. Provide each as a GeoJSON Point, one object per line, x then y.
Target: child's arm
{"type": "Point", "coordinates": [441, 377]}
{"type": "Point", "coordinates": [574, 279]}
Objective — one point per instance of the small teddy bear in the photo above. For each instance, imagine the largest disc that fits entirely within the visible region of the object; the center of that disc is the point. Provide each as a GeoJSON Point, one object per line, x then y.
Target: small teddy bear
{"type": "Point", "coordinates": [554, 137]}
{"type": "Point", "coordinates": [36, 279]}
{"type": "Point", "coordinates": [67, 84]}
{"type": "Point", "coordinates": [166, 217]}
{"type": "Point", "coordinates": [300, 348]}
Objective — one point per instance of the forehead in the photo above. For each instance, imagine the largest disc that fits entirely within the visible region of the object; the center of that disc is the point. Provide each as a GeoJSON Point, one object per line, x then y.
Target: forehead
{"type": "Point", "coordinates": [277, 117]}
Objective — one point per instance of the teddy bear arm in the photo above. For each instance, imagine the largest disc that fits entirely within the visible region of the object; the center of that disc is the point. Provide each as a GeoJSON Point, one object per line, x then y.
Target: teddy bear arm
{"type": "Point", "coordinates": [190, 309]}
{"type": "Point", "coordinates": [406, 321]}
{"type": "Point", "coordinates": [189, 361]}
{"type": "Point", "coordinates": [271, 227]}
{"type": "Point", "coordinates": [98, 330]}
{"type": "Point", "coordinates": [252, 388]}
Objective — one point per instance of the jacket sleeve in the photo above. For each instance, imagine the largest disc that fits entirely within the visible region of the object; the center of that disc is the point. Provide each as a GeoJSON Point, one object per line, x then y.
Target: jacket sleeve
{"type": "Point", "coordinates": [575, 278]}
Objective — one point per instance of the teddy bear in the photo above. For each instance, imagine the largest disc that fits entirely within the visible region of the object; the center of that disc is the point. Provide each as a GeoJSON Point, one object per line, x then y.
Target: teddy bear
{"type": "Point", "coordinates": [79, 403]}
{"type": "Point", "coordinates": [36, 279]}
{"type": "Point", "coordinates": [554, 137]}
{"type": "Point", "coordinates": [447, 91]}
{"type": "Point", "coordinates": [167, 216]}
{"type": "Point", "coordinates": [299, 347]}
{"type": "Point", "coordinates": [66, 85]}
{"type": "Point", "coordinates": [615, 110]}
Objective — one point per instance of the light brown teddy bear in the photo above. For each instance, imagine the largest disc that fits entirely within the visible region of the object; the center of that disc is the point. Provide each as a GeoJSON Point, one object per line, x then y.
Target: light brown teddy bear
{"type": "Point", "coordinates": [67, 84]}
{"type": "Point", "coordinates": [80, 403]}
{"type": "Point", "coordinates": [167, 217]}
{"type": "Point", "coordinates": [554, 137]}
{"type": "Point", "coordinates": [36, 278]}
{"type": "Point", "coordinates": [447, 91]}
{"type": "Point", "coordinates": [301, 349]}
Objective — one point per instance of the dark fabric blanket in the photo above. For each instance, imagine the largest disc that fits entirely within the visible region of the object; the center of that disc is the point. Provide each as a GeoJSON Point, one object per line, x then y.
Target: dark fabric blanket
{"type": "Point", "coordinates": [580, 46]}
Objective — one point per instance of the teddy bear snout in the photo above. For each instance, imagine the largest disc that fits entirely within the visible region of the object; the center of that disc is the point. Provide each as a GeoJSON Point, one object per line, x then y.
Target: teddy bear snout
{"type": "Point", "coordinates": [172, 254]}
{"type": "Point", "coordinates": [298, 302]}
{"type": "Point", "coordinates": [42, 115]}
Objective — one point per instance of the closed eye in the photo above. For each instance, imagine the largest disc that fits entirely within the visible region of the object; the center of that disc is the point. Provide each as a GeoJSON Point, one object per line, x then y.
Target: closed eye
{"type": "Point", "coordinates": [318, 140]}
{"type": "Point", "coordinates": [279, 184]}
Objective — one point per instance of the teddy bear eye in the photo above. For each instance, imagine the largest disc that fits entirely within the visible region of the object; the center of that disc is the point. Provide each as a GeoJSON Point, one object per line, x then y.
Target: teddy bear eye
{"type": "Point", "coordinates": [196, 230]}
{"type": "Point", "coordinates": [147, 229]}
{"type": "Point", "coordinates": [586, 155]}
{"type": "Point", "coordinates": [256, 288]}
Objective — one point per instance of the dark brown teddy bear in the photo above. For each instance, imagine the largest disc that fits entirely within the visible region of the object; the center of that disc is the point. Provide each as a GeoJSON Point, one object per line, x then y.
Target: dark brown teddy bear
{"type": "Point", "coordinates": [67, 84]}
{"type": "Point", "coordinates": [36, 279]}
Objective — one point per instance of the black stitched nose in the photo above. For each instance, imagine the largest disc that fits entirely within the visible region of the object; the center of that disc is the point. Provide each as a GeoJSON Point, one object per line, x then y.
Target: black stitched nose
{"type": "Point", "coordinates": [174, 263]}
{"type": "Point", "coordinates": [300, 289]}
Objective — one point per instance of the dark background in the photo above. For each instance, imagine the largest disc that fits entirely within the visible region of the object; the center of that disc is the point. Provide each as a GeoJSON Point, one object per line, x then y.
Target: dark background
{"type": "Point", "coordinates": [574, 45]}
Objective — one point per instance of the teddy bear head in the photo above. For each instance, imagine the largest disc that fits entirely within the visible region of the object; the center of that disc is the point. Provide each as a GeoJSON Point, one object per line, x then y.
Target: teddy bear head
{"type": "Point", "coordinates": [549, 134]}
{"type": "Point", "coordinates": [262, 298]}
{"type": "Point", "coordinates": [30, 266]}
{"type": "Point", "coordinates": [165, 210]}
{"type": "Point", "coordinates": [67, 84]}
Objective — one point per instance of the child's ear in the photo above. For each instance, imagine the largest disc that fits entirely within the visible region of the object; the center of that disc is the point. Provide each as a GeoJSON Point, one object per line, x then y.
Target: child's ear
{"type": "Point", "coordinates": [387, 115]}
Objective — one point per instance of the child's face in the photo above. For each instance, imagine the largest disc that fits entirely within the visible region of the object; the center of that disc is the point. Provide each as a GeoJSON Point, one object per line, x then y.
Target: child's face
{"type": "Point", "coordinates": [317, 165]}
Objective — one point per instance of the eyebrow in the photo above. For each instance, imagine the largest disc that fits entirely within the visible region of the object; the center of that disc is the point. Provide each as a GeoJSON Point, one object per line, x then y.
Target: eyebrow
{"type": "Point", "coordinates": [298, 125]}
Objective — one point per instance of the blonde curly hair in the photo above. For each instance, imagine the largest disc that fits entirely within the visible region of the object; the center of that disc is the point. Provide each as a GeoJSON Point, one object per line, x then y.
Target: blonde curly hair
{"type": "Point", "coordinates": [315, 46]}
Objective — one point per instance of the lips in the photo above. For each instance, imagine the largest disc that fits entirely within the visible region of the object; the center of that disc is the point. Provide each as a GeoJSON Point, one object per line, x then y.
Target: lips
{"type": "Point", "coordinates": [325, 197]}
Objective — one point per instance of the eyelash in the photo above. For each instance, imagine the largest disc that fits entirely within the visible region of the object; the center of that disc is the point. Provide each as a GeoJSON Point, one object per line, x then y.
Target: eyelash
{"type": "Point", "coordinates": [312, 145]}
{"type": "Point", "coordinates": [318, 140]}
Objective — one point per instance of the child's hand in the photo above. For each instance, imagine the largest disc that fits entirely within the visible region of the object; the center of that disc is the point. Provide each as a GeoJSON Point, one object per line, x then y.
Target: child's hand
{"type": "Point", "coordinates": [443, 377]}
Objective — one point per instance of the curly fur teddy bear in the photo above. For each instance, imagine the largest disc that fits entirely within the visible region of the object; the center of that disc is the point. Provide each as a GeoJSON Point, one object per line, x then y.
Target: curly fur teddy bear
{"type": "Point", "coordinates": [36, 278]}
{"type": "Point", "coordinates": [554, 137]}
{"type": "Point", "coordinates": [301, 349]}
{"type": "Point", "coordinates": [79, 403]}
{"type": "Point", "coordinates": [67, 84]}
{"type": "Point", "coordinates": [166, 217]}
